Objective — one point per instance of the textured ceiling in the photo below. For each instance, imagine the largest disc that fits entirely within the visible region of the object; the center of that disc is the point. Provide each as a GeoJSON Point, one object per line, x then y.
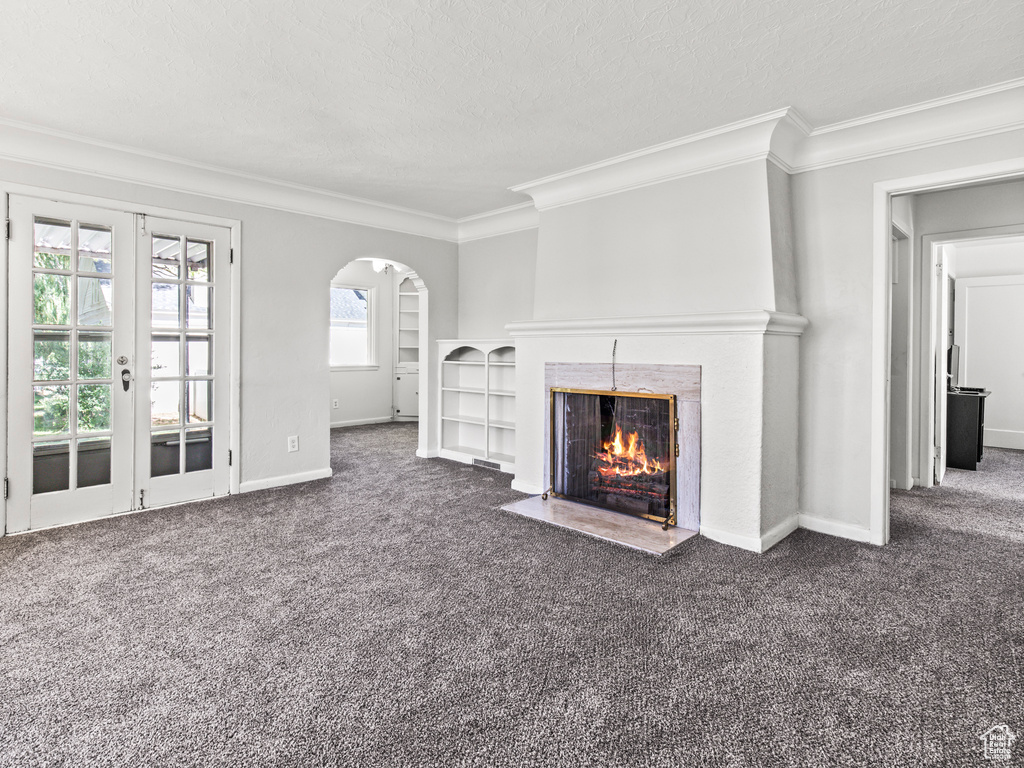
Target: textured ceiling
{"type": "Point", "coordinates": [440, 105]}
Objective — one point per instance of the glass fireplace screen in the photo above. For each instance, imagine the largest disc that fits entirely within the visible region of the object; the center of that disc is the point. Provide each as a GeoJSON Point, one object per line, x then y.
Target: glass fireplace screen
{"type": "Point", "coordinates": [615, 450]}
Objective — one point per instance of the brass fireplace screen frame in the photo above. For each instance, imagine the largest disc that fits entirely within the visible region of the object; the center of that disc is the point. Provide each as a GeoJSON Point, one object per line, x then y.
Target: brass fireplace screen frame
{"type": "Point", "coordinates": [673, 420]}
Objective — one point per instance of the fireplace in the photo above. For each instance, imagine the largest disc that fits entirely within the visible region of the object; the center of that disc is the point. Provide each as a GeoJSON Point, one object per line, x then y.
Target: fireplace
{"type": "Point", "coordinates": [615, 450]}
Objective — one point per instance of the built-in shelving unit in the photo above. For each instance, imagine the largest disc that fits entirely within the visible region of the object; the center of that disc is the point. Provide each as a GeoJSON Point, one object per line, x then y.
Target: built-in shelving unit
{"type": "Point", "coordinates": [478, 401]}
{"type": "Point", "coordinates": [407, 351]}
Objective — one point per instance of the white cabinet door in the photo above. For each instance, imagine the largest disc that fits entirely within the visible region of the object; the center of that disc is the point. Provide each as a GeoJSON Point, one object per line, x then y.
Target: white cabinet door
{"type": "Point", "coordinates": [407, 396]}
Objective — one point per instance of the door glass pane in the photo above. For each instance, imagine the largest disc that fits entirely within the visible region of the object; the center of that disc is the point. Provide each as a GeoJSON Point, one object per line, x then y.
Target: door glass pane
{"type": "Point", "coordinates": [199, 399]}
{"type": "Point", "coordinates": [164, 454]}
{"type": "Point", "coordinates": [51, 467]}
{"type": "Point", "coordinates": [198, 357]}
{"type": "Point", "coordinates": [166, 257]}
{"type": "Point", "coordinates": [166, 403]}
{"type": "Point", "coordinates": [50, 409]}
{"type": "Point", "coordinates": [93, 407]}
{"type": "Point", "coordinates": [52, 356]}
{"type": "Point", "coordinates": [198, 450]}
{"type": "Point", "coordinates": [198, 307]}
{"type": "Point", "coordinates": [166, 355]}
{"type": "Point", "coordinates": [165, 305]}
{"type": "Point", "coordinates": [93, 462]}
{"type": "Point", "coordinates": [93, 249]}
{"type": "Point", "coordinates": [52, 300]}
{"type": "Point", "coordinates": [94, 355]}
{"type": "Point", "coordinates": [52, 244]}
{"type": "Point", "coordinates": [199, 261]}
{"type": "Point", "coordinates": [94, 301]}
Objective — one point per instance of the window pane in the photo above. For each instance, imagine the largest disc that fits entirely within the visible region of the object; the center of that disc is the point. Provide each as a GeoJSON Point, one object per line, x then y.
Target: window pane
{"type": "Point", "coordinates": [52, 300]}
{"type": "Point", "coordinates": [198, 307]}
{"type": "Point", "coordinates": [166, 355]}
{"type": "Point", "coordinates": [166, 403]}
{"type": "Point", "coordinates": [93, 249]}
{"type": "Point", "coordinates": [199, 261]}
{"type": "Point", "coordinates": [349, 326]}
{"type": "Point", "coordinates": [166, 257]}
{"type": "Point", "coordinates": [51, 406]}
{"type": "Point", "coordinates": [94, 301]}
{"type": "Point", "coordinates": [93, 407]}
{"type": "Point", "coordinates": [165, 305]}
{"type": "Point", "coordinates": [51, 467]}
{"type": "Point", "coordinates": [52, 356]}
{"type": "Point", "coordinates": [198, 399]}
{"type": "Point", "coordinates": [94, 355]}
{"type": "Point", "coordinates": [198, 450]}
{"type": "Point", "coordinates": [52, 244]}
{"type": "Point", "coordinates": [93, 462]}
{"type": "Point", "coordinates": [198, 356]}
{"type": "Point", "coordinates": [164, 454]}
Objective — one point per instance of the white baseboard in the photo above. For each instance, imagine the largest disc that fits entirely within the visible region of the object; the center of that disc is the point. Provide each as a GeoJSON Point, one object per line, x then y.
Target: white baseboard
{"type": "Point", "coordinates": [524, 487]}
{"type": "Point", "coordinates": [428, 454]}
{"type": "Point", "coordinates": [752, 543]}
{"type": "Point", "coordinates": [834, 528]}
{"type": "Point", "coordinates": [361, 422]}
{"type": "Point", "coordinates": [1004, 438]}
{"type": "Point", "coordinates": [275, 482]}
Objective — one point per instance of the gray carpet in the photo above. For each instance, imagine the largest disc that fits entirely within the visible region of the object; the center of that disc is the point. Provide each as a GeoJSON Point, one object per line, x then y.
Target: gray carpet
{"type": "Point", "coordinates": [392, 615]}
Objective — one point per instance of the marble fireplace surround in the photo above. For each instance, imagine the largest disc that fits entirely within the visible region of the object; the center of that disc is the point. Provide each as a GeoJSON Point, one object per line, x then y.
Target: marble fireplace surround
{"type": "Point", "coordinates": [744, 456]}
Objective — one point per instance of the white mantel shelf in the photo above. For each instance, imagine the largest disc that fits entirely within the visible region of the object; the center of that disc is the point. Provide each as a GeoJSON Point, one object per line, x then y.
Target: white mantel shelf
{"type": "Point", "coordinates": [757, 321]}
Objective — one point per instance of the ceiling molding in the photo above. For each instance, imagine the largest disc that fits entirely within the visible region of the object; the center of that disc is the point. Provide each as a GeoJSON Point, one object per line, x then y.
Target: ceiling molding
{"type": "Point", "coordinates": [504, 221]}
{"type": "Point", "coordinates": [756, 321]}
{"type": "Point", "coordinates": [973, 114]}
{"type": "Point", "coordinates": [722, 147]}
{"type": "Point", "coordinates": [66, 152]}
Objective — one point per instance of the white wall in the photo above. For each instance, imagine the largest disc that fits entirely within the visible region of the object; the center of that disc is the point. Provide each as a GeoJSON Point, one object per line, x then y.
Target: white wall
{"type": "Point", "coordinates": [902, 359]}
{"type": "Point", "coordinates": [287, 261]}
{"type": "Point", "coordinates": [697, 244]}
{"type": "Point", "coordinates": [365, 397]}
{"type": "Point", "coordinates": [833, 213]}
{"type": "Point", "coordinates": [989, 327]}
{"type": "Point", "coordinates": [496, 283]}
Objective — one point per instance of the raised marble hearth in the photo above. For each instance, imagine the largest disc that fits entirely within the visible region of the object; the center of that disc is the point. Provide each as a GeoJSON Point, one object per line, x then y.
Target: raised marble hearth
{"type": "Point", "coordinates": [618, 528]}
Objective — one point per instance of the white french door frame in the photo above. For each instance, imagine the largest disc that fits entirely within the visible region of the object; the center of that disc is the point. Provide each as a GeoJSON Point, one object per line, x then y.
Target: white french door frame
{"type": "Point", "coordinates": [881, 326]}
{"type": "Point", "coordinates": [233, 225]}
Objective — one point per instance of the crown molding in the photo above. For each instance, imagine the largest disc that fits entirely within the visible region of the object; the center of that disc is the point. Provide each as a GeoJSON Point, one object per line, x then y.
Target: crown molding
{"type": "Point", "coordinates": [756, 321]}
{"type": "Point", "coordinates": [971, 114]}
{"type": "Point", "coordinates": [732, 144]}
{"type": "Point", "coordinates": [61, 151]}
{"type": "Point", "coordinates": [504, 221]}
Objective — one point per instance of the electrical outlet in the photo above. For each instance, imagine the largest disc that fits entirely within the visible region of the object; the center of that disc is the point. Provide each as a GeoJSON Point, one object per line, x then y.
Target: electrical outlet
{"type": "Point", "coordinates": [293, 443]}
{"type": "Point", "coordinates": [335, 401]}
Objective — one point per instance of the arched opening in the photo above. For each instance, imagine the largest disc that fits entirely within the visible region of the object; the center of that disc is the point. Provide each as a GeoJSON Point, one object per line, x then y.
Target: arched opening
{"type": "Point", "coordinates": [378, 345]}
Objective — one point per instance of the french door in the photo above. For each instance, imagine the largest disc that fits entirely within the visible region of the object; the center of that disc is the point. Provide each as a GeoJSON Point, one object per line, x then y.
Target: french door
{"type": "Point", "coordinates": [119, 361]}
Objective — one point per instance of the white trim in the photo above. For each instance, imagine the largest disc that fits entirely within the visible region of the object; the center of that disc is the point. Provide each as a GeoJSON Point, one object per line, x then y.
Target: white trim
{"type": "Point", "coordinates": [282, 480]}
{"type": "Point", "coordinates": [24, 143]}
{"type": "Point", "coordinates": [1004, 438]}
{"type": "Point", "coordinates": [757, 321]}
{"type": "Point", "coordinates": [733, 144]}
{"type": "Point", "coordinates": [968, 115]}
{"type": "Point", "coordinates": [777, 533]}
{"type": "Point", "coordinates": [349, 368]}
{"type": "Point", "coordinates": [426, 454]}
{"type": "Point", "coordinates": [526, 487]}
{"type": "Point", "coordinates": [878, 479]}
{"type": "Point", "coordinates": [834, 528]}
{"type": "Point", "coordinates": [749, 543]}
{"type": "Point", "coordinates": [504, 221]}
{"type": "Point", "coordinates": [361, 422]}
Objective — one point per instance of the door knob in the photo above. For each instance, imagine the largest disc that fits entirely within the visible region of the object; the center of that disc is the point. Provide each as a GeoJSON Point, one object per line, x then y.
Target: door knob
{"type": "Point", "coordinates": [126, 379]}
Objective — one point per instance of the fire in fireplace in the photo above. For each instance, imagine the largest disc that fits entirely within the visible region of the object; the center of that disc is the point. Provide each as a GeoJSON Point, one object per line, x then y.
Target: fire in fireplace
{"type": "Point", "coordinates": [615, 450]}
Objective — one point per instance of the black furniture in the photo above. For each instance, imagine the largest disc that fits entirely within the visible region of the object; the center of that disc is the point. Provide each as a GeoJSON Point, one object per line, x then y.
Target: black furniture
{"type": "Point", "coordinates": [965, 427]}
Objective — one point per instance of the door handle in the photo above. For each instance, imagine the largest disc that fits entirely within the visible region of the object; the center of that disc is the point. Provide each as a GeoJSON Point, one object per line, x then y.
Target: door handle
{"type": "Point", "coordinates": [126, 379]}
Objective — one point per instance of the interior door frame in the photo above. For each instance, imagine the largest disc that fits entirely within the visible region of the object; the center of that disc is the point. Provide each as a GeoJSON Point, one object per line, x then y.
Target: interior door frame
{"type": "Point", "coordinates": [235, 336]}
{"type": "Point", "coordinates": [881, 330]}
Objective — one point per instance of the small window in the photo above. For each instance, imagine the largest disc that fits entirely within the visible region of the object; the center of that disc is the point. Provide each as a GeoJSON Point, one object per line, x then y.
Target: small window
{"type": "Point", "coordinates": [351, 327]}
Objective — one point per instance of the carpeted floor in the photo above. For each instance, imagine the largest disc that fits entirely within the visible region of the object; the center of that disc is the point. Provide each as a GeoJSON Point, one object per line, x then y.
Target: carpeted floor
{"type": "Point", "coordinates": [392, 615]}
